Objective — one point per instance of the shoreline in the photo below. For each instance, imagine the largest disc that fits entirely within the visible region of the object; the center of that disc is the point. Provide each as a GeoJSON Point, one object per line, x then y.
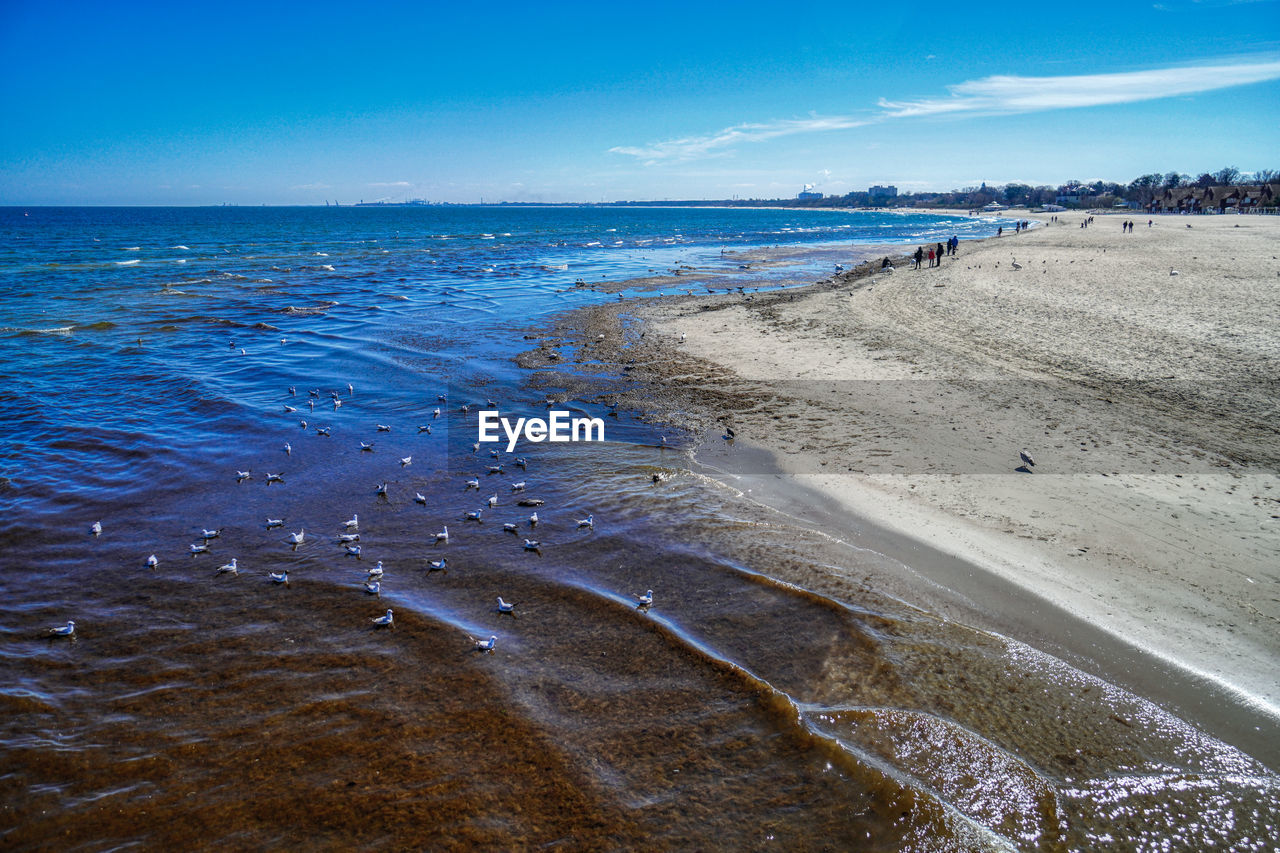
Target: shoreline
{"type": "Point", "coordinates": [1063, 562]}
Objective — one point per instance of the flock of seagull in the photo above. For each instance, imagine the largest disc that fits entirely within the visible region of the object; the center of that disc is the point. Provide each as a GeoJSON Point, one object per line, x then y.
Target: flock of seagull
{"type": "Point", "coordinates": [349, 538]}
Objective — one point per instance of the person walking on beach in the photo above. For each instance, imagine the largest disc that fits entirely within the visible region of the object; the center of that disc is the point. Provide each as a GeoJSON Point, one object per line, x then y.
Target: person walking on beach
{"type": "Point", "coordinates": [919, 256]}
{"type": "Point", "coordinates": [941, 251]}
{"type": "Point", "coordinates": [931, 257]}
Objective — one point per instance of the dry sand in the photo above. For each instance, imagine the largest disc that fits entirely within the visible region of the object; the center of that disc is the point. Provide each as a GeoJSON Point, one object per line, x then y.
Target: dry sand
{"type": "Point", "coordinates": [1148, 401]}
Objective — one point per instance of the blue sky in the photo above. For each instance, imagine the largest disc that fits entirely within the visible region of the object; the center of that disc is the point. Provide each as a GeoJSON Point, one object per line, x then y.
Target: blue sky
{"type": "Point", "coordinates": [291, 103]}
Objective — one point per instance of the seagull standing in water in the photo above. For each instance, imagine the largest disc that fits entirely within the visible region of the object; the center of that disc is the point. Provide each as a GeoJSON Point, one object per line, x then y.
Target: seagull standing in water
{"type": "Point", "coordinates": [383, 621]}
{"type": "Point", "coordinates": [533, 520]}
{"type": "Point", "coordinates": [229, 569]}
{"type": "Point", "coordinates": [199, 548]}
{"type": "Point", "coordinates": [493, 500]}
{"type": "Point", "coordinates": [96, 528]}
{"type": "Point", "coordinates": [443, 536]}
{"type": "Point", "coordinates": [376, 572]}
{"type": "Point", "coordinates": [645, 600]}
{"type": "Point", "coordinates": [67, 630]}
{"type": "Point", "coordinates": [373, 588]}
{"type": "Point", "coordinates": [241, 476]}
{"type": "Point", "coordinates": [485, 645]}
{"type": "Point", "coordinates": [152, 562]}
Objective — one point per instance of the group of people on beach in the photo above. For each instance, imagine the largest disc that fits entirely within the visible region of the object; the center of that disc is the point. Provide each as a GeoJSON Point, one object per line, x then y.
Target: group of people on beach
{"type": "Point", "coordinates": [936, 253]}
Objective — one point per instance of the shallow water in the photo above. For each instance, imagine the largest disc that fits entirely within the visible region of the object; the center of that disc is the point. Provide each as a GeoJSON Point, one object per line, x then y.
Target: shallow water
{"type": "Point", "coordinates": [768, 697]}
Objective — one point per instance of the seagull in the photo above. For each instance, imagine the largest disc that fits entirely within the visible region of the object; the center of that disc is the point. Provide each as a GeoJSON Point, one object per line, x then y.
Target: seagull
{"type": "Point", "coordinates": [152, 562]}
{"type": "Point", "coordinates": [728, 432]}
{"type": "Point", "coordinates": [344, 538]}
{"type": "Point", "coordinates": [495, 469]}
{"type": "Point", "coordinates": [495, 454]}
{"type": "Point", "coordinates": [293, 392]}
{"type": "Point", "coordinates": [531, 545]}
{"type": "Point", "coordinates": [475, 448]}
{"type": "Point", "coordinates": [279, 577]}
{"type": "Point", "coordinates": [353, 522]}
{"type": "Point", "coordinates": [383, 428]}
{"type": "Point", "coordinates": [406, 460]}
{"type": "Point", "coordinates": [96, 528]}
{"type": "Point", "coordinates": [288, 449]}
{"type": "Point", "coordinates": [465, 409]}
{"type": "Point", "coordinates": [589, 522]}
{"type": "Point", "coordinates": [509, 528]}
{"type": "Point", "coordinates": [336, 403]}
{"type": "Point", "coordinates": [383, 621]}
{"type": "Point", "coordinates": [473, 483]}
{"type": "Point", "coordinates": [302, 424]}
{"type": "Point", "coordinates": [67, 630]}
{"type": "Point", "coordinates": [645, 600]}
{"type": "Point", "coordinates": [366, 446]}
{"type": "Point", "coordinates": [350, 388]}
{"type": "Point", "coordinates": [493, 500]}
{"type": "Point", "coordinates": [380, 489]}
{"type": "Point", "coordinates": [533, 520]}
{"type": "Point", "coordinates": [210, 534]}
{"type": "Point", "coordinates": [522, 463]}
{"type": "Point", "coordinates": [1172, 271]}
{"type": "Point", "coordinates": [199, 548]}
{"type": "Point", "coordinates": [474, 516]}
{"type": "Point", "coordinates": [376, 572]}
{"type": "Point", "coordinates": [505, 606]}
{"type": "Point", "coordinates": [443, 536]}
{"type": "Point", "coordinates": [229, 568]}
{"type": "Point", "coordinates": [322, 430]}
{"type": "Point", "coordinates": [373, 588]}
{"type": "Point", "coordinates": [1026, 459]}
{"type": "Point", "coordinates": [441, 397]}
{"type": "Point", "coordinates": [354, 551]}
{"type": "Point", "coordinates": [518, 487]}
{"type": "Point", "coordinates": [440, 565]}
{"type": "Point", "coordinates": [1016, 265]}
{"type": "Point", "coordinates": [275, 478]}
{"type": "Point", "coordinates": [290, 409]}
{"type": "Point", "coordinates": [419, 499]}
{"type": "Point", "coordinates": [297, 538]}
{"type": "Point", "coordinates": [426, 429]}
{"type": "Point", "coordinates": [436, 413]}
{"type": "Point", "coordinates": [485, 645]}
{"type": "Point", "coordinates": [275, 522]}
{"type": "Point", "coordinates": [241, 476]}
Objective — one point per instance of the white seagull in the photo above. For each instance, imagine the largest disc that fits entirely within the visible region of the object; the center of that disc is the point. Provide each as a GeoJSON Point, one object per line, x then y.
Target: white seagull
{"type": "Point", "coordinates": [383, 621]}
{"type": "Point", "coordinates": [588, 522]}
{"type": "Point", "coordinates": [485, 645]}
{"type": "Point", "coordinates": [381, 489]}
{"type": "Point", "coordinates": [383, 428]}
{"type": "Point", "coordinates": [275, 522]}
{"type": "Point", "coordinates": [518, 487]}
{"type": "Point", "coordinates": [353, 522]}
{"type": "Point", "coordinates": [533, 520]}
{"type": "Point", "coordinates": [531, 545]}
{"type": "Point", "coordinates": [419, 499]}
{"type": "Point", "coordinates": [505, 606]}
{"type": "Point", "coordinates": [366, 447]}
{"type": "Point", "coordinates": [509, 528]}
{"type": "Point", "coordinates": [522, 463]}
{"type": "Point", "coordinates": [426, 429]}
{"type": "Point", "coordinates": [344, 538]}
{"type": "Point", "coordinates": [290, 409]}
{"type": "Point", "coordinates": [152, 562]}
{"type": "Point", "coordinates": [646, 599]}
{"type": "Point", "coordinates": [436, 413]}
{"type": "Point", "coordinates": [493, 500]}
{"type": "Point", "coordinates": [288, 449]}
{"type": "Point", "coordinates": [373, 588]}
{"type": "Point", "coordinates": [406, 460]}
{"type": "Point", "coordinates": [443, 536]}
{"type": "Point", "coordinates": [279, 577]}
{"type": "Point", "coordinates": [474, 515]}
{"type": "Point", "coordinates": [473, 483]}
{"type": "Point", "coordinates": [67, 630]}
{"type": "Point", "coordinates": [96, 528]}
{"type": "Point", "coordinates": [297, 539]}
{"type": "Point", "coordinates": [275, 478]}
{"type": "Point", "coordinates": [376, 572]}
{"type": "Point", "coordinates": [210, 534]}
{"type": "Point", "coordinates": [439, 565]}
{"type": "Point", "coordinates": [1026, 459]}
{"type": "Point", "coordinates": [353, 551]}
{"type": "Point", "coordinates": [241, 476]}
{"type": "Point", "coordinates": [199, 548]}
{"type": "Point", "coordinates": [230, 568]}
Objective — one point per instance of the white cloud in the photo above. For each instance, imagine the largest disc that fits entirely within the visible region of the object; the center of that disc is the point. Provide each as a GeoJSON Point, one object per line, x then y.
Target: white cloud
{"type": "Point", "coordinates": [988, 96]}
{"type": "Point", "coordinates": [311, 187]}
{"type": "Point", "coordinates": [390, 184]}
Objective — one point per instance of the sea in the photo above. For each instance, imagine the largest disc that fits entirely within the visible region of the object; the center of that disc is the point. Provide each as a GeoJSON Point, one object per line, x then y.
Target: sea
{"type": "Point", "coordinates": [295, 392]}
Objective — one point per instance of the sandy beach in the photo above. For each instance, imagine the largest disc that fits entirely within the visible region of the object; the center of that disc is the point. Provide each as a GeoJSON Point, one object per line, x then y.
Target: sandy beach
{"type": "Point", "coordinates": [1139, 370]}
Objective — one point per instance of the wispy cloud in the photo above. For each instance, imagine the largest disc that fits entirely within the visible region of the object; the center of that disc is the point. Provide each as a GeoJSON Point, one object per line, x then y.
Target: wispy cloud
{"type": "Point", "coordinates": [1000, 95]}
{"type": "Point", "coordinates": [390, 185]}
{"type": "Point", "coordinates": [698, 147]}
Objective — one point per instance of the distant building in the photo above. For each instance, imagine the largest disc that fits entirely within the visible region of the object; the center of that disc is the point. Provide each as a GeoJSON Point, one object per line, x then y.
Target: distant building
{"type": "Point", "coordinates": [807, 194]}
{"type": "Point", "coordinates": [883, 192]}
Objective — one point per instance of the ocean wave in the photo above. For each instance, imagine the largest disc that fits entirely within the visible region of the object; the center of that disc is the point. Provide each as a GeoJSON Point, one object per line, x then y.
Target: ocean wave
{"type": "Point", "coordinates": [126, 263]}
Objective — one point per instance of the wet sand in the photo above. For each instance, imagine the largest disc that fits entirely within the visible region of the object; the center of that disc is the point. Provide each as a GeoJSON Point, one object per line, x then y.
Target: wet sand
{"type": "Point", "coordinates": [1143, 541]}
